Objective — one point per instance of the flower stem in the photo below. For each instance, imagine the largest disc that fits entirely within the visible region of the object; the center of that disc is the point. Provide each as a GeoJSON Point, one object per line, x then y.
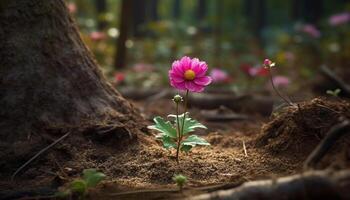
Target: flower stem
{"type": "Point", "coordinates": [275, 89]}
{"type": "Point", "coordinates": [180, 131]}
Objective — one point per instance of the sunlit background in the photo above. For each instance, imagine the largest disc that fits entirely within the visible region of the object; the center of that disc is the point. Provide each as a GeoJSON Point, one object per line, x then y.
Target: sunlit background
{"type": "Point", "coordinates": [135, 41]}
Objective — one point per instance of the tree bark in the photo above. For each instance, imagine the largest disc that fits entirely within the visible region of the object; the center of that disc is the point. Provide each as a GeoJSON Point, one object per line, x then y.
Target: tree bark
{"type": "Point", "coordinates": [310, 185]}
{"type": "Point", "coordinates": [49, 78]}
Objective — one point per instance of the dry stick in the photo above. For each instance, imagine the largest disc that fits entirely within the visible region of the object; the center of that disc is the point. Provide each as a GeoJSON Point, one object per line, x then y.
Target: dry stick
{"type": "Point", "coordinates": [38, 154]}
{"type": "Point", "coordinates": [331, 137]}
{"type": "Point", "coordinates": [245, 149]}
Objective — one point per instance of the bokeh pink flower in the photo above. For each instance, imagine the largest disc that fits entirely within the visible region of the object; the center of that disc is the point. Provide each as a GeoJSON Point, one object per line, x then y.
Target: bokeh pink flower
{"type": "Point", "coordinates": [281, 81]}
{"type": "Point", "coordinates": [97, 36]}
{"type": "Point", "coordinates": [254, 71]}
{"type": "Point", "coordinates": [72, 7]}
{"type": "Point", "coordinates": [119, 77]}
{"type": "Point", "coordinates": [189, 74]}
{"type": "Point", "coordinates": [143, 67]}
{"type": "Point", "coordinates": [339, 19]}
{"type": "Point", "coordinates": [310, 30]}
{"type": "Point", "coordinates": [219, 75]}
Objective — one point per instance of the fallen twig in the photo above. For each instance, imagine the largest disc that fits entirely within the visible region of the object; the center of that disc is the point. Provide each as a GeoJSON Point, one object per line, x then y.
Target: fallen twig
{"type": "Point", "coordinates": [245, 149]}
{"type": "Point", "coordinates": [38, 154]}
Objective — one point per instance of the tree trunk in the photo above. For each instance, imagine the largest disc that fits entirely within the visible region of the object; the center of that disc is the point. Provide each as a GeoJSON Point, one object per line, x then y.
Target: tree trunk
{"type": "Point", "coordinates": [49, 78]}
{"type": "Point", "coordinates": [153, 10]}
{"type": "Point", "coordinates": [201, 10]}
{"type": "Point", "coordinates": [125, 19]}
{"type": "Point", "coordinates": [176, 9]}
{"type": "Point", "coordinates": [101, 9]}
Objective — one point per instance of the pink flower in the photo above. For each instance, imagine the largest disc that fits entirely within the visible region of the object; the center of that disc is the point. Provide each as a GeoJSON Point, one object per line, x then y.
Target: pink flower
{"type": "Point", "coordinates": [119, 77]}
{"type": "Point", "coordinates": [189, 74]}
{"type": "Point", "coordinates": [311, 30]}
{"type": "Point", "coordinates": [258, 71]}
{"type": "Point", "coordinates": [97, 36]}
{"type": "Point", "coordinates": [267, 62]}
{"type": "Point", "coordinates": [289, 56]}
{"type": "Point", "coordinates": [219, 76]}
{"type": "Point", "coordinates": [339, 19]}
{"type": "Point", "coordinates": [143, 67]}
{"type": "Point", "coordinates": [72, 8]}
{"type": "Point", "coordinates": [281, 81]}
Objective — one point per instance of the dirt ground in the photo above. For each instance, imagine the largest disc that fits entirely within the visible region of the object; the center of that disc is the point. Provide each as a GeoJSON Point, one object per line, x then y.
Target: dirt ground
{"type": "Point", "coordinates": [275, 147]}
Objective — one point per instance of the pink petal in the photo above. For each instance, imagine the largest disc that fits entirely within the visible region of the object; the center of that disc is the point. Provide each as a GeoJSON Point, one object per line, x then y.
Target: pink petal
{"type": "Point", "coordinates": [192, 87]}
{"type": "Point", "coordinates": [177, 79]}
{"type": "Point", "coordinates": [180, 86]}
{"type": "Point", "coordinates": [185, 63]}
{"type": "Point", "coordinates": [203, 81]}
{"type": "Point", "coordinates": [194, 64]}
{"type": "Point", "coordinates": [176, 66]}
{"type": "Point", "coordinates": [202, 69]}
{"type": "Point", "coordinates": [178, 75]}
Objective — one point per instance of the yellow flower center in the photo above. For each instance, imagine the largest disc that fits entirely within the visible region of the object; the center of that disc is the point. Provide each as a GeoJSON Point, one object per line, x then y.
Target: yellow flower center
{"type": "Point", "coordinates": [189, 75]}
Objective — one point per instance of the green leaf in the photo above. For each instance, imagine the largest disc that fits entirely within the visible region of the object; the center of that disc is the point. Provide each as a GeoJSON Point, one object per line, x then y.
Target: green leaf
{"type": "Point", "coordinates": [164, 127]}
{"type": "Point", "coordinates": [186, 148]}
{"type": "Point", "coordinates": [78, 186]}
{"type": "Point", "coordinates": [192, 141]}
{"type": "Point", "coordinates": [168, 142]}
{"type": "Point", "coordinates": [62, 194]}
{"type": "Point", "coordinates": [92, 177]}
{"type": "Point", "coordinates": [190, 124]}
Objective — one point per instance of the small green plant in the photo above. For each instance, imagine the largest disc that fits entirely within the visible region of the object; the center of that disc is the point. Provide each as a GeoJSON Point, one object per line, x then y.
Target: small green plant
{"type": "Point", "coordinates": [79, 187]}
{"type": "Point", "coordinates": [334, 93]}
{"type": "Point", "coordinates": [189, 75]}
{"type": "Point", "coordinates": [180, 180]}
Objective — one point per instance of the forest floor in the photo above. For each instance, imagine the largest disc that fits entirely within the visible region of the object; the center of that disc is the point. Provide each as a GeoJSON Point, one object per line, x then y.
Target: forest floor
{"type": "Point", "coordinates": [274, 147]}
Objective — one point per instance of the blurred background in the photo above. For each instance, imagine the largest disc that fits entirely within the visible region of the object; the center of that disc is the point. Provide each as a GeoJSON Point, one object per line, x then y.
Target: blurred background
{"type": "Point", "coordinates": [135, 41]}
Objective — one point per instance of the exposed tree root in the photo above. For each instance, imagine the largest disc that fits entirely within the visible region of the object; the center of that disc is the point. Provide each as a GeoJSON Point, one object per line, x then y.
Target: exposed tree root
{"type": "Point", "coordinates": [310, 185]}
{"type": "Point", "coordinates": [331, 137]}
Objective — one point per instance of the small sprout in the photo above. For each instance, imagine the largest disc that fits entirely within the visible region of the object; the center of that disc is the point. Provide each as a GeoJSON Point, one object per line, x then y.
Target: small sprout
{"type": "Point", "coordinates": [334, 93]}
{"type": "Point", "coordinates": [79, 187]}
{"type": "Point", "coordinates": [180, 180]}
{"type": "Point", "coordinates": [177, 98]}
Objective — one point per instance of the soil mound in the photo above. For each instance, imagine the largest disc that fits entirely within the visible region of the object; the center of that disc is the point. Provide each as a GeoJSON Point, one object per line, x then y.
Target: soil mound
{"type": "Point", "coordinates": [298, 130]}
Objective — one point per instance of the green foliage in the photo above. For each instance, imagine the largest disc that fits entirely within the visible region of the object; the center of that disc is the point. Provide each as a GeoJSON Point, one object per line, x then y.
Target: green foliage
{"type": "Point", "coordinates": [190, 124]}
{"type": "Point", "coordinates": [92, 177]}
{"type": "Point", "coordinates": [166, 128]}
{"type": "Point", "coordinates": [180, 180]}
{"type": "Point", "coordinates": [334, 93]}
{"type": "Point", "coordinates": [80, 186]}
{"type": "Point", "coordinates": [192, 141]}
{"type": "Point", "coordinates": [169, 136]}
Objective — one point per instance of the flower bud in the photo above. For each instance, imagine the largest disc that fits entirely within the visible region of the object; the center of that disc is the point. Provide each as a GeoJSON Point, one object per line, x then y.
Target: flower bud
{"type": "Point", "coordinates": [177, 98]}
{"type": "Point", "coordinates": [268, 63]}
